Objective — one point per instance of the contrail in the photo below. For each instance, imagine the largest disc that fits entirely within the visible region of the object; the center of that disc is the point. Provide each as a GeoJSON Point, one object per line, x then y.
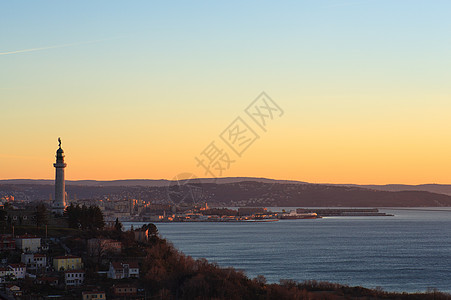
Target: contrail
{"type": "Point", "coordinates": [55, 46]}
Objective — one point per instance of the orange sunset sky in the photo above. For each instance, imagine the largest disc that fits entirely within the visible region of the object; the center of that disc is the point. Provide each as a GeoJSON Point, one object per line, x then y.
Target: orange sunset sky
{"type": "Point", "coordinates": [139, 90]}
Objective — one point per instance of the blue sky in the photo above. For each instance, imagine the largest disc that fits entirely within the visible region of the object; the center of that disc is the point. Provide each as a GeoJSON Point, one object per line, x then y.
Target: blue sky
{"type": "Point", "coordinates": [377, 71]}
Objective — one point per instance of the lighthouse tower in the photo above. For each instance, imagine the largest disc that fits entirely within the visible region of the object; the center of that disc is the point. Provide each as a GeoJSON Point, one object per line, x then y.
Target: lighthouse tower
{"type": "Point", "coordinates": [59, 204]}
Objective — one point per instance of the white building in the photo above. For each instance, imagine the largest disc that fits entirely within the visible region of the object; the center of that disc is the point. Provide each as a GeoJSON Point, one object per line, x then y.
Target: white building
{"type": "Point", "coordinates": [4, 272]}
{"type": "Point", "coordinates": [120, 270]}
{"type": "Point", "coordinates": [18, 270]}
{"type": "Point", "coordinates": [74, 277]}
{"type": "Point", "coordinates": [28, 243]}
{"type": "Point", "coordinates": [34, 260]}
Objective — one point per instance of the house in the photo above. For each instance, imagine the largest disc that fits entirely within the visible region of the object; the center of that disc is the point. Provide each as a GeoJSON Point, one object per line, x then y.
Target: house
{"type": "Point", "coordinates": [20, 217]}
{"type": "Point", "coordinates": [34, 260]}
{"type": "Point", "coordinates": [13, 290]}
{"type": "Point", "coordinates": [18, 270]}
{"type": "Point", "coordinates": [52, 281]}
{"type": "Point", "coordinates": [67, 262]}
{"type": "Point", "coordinates": [93, 295]}
{"type": "Point", "coordinates": [74, 277]}
{"type": "Point", "coordinates": [103, 246]}
{"type": "Point", "coordinates": [7, 242]}
{"type": "Point", "coordinates": [28, 243]}
{"type": "Point", "coordinates": [120, 270]}
{"type": "Point", "coordinates": [141, 235]}
{"type": "Point", "coordinates": [124, 290]}
{"type": "Point", "coordinates": [4, 274]}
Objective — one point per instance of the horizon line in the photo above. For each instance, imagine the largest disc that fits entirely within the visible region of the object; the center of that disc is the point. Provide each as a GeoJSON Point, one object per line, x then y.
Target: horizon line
{"type": "Point", "coordinates": [234, 177]}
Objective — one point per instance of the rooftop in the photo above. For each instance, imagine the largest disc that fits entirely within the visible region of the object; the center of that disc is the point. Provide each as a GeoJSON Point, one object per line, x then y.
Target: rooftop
{"type": "Point", "coordinates": [27, 236]}
{"type": "Point", "coordinates": [120, 265]}
{"type": "Point", "coordinates": [66, 257]}
{"type": "Point", "coordinates": [75, 271]}
{"type": "Point", "coordinates": [17, 265]}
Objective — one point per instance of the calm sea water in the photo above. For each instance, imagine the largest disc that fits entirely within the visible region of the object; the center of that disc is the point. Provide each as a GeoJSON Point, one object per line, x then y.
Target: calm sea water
{"type": "Point", "coordinates": [408, 252]}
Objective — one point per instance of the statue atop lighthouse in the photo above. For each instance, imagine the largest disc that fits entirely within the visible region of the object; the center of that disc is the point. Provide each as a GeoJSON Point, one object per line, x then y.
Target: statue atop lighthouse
{"type": "Point", "coordinates": [59, 204]}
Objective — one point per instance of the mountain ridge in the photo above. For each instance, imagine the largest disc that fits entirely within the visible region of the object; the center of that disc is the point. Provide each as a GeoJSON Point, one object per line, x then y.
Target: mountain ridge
{"type": "Point", "coordinates": [238, 193]}
{"type": "Point", "coordinates": [444, 189]}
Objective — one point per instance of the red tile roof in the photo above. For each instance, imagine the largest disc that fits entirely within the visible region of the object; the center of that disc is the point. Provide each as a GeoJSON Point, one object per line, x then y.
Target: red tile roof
{"type": "Point", "coordinates": [12, 285]}
{"type": "Point", "coordinates": [17, 265]}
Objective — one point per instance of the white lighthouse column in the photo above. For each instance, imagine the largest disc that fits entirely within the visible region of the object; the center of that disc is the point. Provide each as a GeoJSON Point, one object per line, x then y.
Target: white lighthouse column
{"type": "Point", "coordinates": [59, 204]}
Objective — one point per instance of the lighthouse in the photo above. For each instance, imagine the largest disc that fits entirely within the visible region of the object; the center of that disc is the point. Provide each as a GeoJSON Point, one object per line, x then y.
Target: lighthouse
{"type": "Point", "coordinates": [59, 204]}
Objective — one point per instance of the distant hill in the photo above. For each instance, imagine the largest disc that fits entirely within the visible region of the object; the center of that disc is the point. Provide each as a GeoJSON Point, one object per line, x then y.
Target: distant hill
{"type": "Point", "coordinates": [433, 188]}
{"type": "Point", "coordinates": [320, 195]}
{"type": "Point", "coordinates": [231, 192]}
{"type": "Point", "coordinates": [146, 182]}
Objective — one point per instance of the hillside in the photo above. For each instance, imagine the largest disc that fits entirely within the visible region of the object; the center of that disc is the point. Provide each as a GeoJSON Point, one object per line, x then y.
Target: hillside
{"type": "Point", "coordinates": [146, 182]}
{"type": "Point", "coordinates": [245, 193]}
{"type": "Point", "coordinates": [432, 188]}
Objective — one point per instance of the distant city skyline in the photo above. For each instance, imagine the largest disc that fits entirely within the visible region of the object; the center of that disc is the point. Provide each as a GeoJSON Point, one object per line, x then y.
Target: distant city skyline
{"type": "Point", "coordinates": [137, 91]}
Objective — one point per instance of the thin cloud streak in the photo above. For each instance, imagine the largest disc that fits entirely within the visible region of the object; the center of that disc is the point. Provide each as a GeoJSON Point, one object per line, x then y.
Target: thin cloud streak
{"type": "Point", "coordinates": [56, 46]}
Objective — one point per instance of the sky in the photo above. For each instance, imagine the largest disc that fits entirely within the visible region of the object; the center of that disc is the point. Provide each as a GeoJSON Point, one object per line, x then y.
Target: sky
{"type": "Point", "coordinates": [140, 89]}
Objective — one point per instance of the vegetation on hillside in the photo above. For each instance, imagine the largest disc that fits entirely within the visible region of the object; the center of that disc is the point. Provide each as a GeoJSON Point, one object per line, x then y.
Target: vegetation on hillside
{"type": "Point", "coordinates": [83, 217]}
{"type": "Point", "coordinates": [250, 193]}
{"type": "Point", "coordinates": [166, 273]}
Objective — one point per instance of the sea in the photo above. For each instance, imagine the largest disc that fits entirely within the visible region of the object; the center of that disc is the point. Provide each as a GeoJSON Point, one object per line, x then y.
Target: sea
{"type": "Point", "coordinates": [407, 252]}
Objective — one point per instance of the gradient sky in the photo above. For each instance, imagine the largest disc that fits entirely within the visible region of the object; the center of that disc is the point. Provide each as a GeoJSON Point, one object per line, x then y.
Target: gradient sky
{"type": "Point", "coordinates": [137, 89]}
